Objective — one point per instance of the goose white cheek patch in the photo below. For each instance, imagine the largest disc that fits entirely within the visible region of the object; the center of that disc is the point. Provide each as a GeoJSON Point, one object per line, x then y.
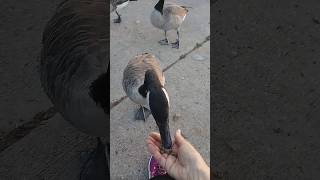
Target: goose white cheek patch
{"type": "Point", "coordinates": [184, 17]}
{"type": "Point", "coordinates": [167, 96]}
{"type": "Point", "coordinates": [147, 100]}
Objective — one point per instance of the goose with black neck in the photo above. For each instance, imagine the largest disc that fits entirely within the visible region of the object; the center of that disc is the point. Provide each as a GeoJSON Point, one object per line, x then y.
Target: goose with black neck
{"type": "Point", "coordinates": [143, 82]}
{"type": "Point", "coordinates": [168, 17]}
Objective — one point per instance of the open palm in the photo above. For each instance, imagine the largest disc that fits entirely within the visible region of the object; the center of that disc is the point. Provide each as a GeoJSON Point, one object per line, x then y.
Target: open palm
{"type": "Point", "coordinates": [184, 162]}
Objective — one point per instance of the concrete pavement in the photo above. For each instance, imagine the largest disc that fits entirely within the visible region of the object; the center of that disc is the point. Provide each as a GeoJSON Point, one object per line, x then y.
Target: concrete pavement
{"type": "Point", "coordinates": [52, 149]}
{"type": "Point", "coordinates": [187, 82]}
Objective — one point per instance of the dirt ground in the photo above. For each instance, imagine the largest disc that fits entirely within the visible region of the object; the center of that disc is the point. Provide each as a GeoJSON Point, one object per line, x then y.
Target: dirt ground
{"type": "Point", "coordinates": [265, 78]}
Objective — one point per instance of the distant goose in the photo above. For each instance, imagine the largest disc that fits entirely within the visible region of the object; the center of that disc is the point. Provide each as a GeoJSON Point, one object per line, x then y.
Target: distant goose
{"type": "Point", "coordinates": [143, 82]}
{"type": "Point", "coordinates": [116, 5]}
{"type": "Point", "coordinates": [74, 71]}
{"type": "Point", "coordinates": [168, 17]}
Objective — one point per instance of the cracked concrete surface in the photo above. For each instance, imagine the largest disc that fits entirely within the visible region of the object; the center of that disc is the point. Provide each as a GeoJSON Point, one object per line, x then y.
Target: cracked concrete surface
{"type": "Point", "coordinates": [52, 149]}
{"type": "Point", "coordinates": [187, 82]}
{"type": "Point", "coordinates": [33, 149]}
{"type": "Point", "coordinates": [21, 95]}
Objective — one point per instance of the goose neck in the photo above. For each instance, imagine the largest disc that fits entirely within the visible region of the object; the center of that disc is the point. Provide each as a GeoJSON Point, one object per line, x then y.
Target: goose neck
{"type": "Point", "coordinates": [159, 6]}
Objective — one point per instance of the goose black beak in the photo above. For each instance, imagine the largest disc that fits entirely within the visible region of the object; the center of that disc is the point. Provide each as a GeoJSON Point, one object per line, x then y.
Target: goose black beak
{"type": "Point", "coordinates": [165, 136]}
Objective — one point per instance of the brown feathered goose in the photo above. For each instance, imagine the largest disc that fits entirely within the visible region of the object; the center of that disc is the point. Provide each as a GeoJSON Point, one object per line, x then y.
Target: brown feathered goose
{"type": "Point", "coordinates": [143, 82]}
{"type": "Point", "coordinates": [74, 72]}
{"type": "Point", "coordinates": [168, 17]}
{"type": "Point", "coordinates": [116, 5]}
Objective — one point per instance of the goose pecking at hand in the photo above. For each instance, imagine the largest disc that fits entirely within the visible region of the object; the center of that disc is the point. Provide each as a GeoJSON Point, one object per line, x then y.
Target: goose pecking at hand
{"type": "Point", "coordinates": [143, 82]}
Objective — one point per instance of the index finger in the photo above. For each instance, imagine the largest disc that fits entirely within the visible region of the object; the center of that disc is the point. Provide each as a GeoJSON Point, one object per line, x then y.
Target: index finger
{"type": "Point", "coordinates": [155, 136]}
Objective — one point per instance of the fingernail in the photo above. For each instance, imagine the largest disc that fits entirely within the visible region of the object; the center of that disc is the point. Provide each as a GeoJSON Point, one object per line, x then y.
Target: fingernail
{"type": "Point", "coordinates": [179, 131]}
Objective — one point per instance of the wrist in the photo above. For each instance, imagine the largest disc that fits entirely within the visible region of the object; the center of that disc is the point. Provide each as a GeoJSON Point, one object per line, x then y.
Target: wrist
{"type": "Point", "coordinates": [203, 171]}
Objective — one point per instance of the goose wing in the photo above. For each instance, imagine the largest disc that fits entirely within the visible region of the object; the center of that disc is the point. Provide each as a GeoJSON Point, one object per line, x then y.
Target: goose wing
{"type": "Point", "coordinates": [172, 9]}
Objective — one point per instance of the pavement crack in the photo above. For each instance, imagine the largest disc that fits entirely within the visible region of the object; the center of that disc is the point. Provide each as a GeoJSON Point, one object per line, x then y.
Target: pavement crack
{"type": "Point", "coordinates": [23, 130]}
{"type": "Point", "coordinates": [116, 102]}
{"type": "Point", "coordinates": [181, 57]}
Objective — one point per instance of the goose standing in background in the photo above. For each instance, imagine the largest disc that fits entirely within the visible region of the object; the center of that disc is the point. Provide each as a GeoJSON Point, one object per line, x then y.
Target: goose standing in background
{"type": "Point", "coordinates": [75, 73]}
{"type": "Point", "coordinates": [116, 5]}
{"type": "Point", "coordinates": [168, 17]}
{"type": "Point", "coordinates": [143, 81]}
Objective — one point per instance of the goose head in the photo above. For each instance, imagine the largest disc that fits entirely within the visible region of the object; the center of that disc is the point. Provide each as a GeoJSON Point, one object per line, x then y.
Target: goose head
{"type": "Point", "coordinates": [159, 105]}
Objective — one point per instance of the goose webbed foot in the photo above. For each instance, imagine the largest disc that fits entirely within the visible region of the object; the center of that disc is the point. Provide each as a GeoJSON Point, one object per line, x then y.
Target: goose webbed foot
{"type": "Point", "coordinates": [175, 44]}
{"type": "Point", "coordinates": [118, 20]}
{"type": "Point", "coordinates": [95, 164]}
{"type": "Point", "coordinates": [164, 42]}
{"type": "Point", "coordinates": [142, 113]}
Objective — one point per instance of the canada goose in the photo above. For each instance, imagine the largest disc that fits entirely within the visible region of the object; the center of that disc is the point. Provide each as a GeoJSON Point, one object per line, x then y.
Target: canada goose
{"type": "Point", "coordinates": [168, 17]}
{"type": "Point", "coordinates": [143, 82]}
{"type": "Point", "coordinates": [74, 69]}
{"type": "Point", "coordinates": [116, 5]}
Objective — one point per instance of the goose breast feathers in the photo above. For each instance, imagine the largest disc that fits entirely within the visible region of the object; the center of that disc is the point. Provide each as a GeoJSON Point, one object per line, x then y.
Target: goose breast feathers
{"type": "Point", "coordinates": [171, 18]}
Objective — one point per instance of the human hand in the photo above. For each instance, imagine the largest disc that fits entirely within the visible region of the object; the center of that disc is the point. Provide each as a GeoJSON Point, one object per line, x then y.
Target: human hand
{"type": "Point", "coordinates": [187, 164]}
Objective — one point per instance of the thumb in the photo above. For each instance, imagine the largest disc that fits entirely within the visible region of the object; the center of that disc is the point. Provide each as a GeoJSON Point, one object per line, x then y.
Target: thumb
{"type": "Point", "coordinates": [179, 139]}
